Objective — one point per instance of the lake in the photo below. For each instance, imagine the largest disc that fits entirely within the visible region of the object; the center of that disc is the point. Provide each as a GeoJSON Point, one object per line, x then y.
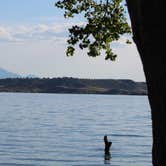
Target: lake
{"type": "Point", "coordinates": [68, 130]}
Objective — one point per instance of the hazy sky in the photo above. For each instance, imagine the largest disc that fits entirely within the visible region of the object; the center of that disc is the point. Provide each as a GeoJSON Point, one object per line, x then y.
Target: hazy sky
{"type": "Point", "coordinates": [33, 37]}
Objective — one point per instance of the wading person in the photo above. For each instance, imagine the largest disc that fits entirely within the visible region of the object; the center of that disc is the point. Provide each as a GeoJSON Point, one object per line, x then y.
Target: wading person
{"type": "Point", "coordinates": [107, 148]}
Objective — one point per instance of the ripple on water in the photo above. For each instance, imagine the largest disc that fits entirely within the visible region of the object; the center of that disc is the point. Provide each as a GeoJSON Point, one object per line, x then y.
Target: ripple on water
{"type": "Point", "coordinates": [68, 130]}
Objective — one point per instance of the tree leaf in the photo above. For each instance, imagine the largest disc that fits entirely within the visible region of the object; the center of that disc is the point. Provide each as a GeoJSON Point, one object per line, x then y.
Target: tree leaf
{"type": "Point", "coordinates": [106, 22]}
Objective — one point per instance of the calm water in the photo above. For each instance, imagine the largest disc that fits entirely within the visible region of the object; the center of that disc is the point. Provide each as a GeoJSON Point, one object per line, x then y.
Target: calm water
{"type": "Point", "coordinates": [68, 130]}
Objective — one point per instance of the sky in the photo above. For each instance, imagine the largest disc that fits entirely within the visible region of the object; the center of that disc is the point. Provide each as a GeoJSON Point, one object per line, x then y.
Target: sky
{"type": "Point", "coordinates": [33, 36]}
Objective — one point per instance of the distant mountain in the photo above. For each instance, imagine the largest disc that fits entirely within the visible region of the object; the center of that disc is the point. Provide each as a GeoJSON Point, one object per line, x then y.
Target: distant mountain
{"type": "Point", "coordinates": [7, 74]}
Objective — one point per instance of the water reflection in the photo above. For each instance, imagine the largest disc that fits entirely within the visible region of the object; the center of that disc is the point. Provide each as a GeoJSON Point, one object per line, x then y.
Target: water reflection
{"type": "Point", "coordinates": [107, 159]}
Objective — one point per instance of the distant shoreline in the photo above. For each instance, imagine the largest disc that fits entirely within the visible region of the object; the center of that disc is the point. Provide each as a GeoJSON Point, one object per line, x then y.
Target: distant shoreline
{"type": "Point", "coordinates": [72, 93]}
{"type": "Point", "coordinates": [68, 85]}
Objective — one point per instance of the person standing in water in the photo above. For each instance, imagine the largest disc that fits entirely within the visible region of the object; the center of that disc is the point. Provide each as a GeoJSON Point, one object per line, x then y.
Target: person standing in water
{"type": "Point", "coordinates": [107, 148]}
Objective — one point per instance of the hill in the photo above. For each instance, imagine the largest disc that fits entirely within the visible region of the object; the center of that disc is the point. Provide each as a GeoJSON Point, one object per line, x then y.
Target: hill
{"type": "Point", "coordinates": [73, 85]}
{"type": "Point", "coordinates": [7, 74]}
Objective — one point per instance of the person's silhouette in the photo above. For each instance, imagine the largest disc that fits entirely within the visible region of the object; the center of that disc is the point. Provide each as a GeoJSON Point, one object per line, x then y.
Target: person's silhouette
{"type": "Point", "coordinates": [107, 148]}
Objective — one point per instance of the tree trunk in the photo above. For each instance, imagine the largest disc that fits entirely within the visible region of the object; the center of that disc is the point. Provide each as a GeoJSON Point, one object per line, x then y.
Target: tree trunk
{"type": "Point", "coordinates": [149, 34]}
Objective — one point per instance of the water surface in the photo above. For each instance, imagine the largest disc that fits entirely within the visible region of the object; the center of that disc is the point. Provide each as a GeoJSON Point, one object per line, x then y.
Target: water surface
{"type": "Point", "coordinates": [68, 130]}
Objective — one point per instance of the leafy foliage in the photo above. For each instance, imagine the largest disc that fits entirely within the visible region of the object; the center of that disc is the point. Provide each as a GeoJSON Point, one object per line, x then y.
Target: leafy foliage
{"type": "Point", "coordinates": [106, 22]}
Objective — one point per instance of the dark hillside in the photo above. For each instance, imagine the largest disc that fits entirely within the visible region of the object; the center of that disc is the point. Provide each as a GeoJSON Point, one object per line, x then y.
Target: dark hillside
{"type": "Point", "coordinates": [73, 85]}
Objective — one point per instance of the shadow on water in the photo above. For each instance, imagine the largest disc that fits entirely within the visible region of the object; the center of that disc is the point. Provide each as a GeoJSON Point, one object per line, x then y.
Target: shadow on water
{"type": "Point", "coordinates": [107, 159]}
